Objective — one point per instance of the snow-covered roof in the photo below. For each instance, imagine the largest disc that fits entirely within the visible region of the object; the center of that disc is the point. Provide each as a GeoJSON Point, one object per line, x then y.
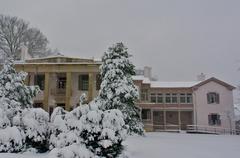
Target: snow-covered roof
{"type": "Point", "coordinates": [160, 84]}
{"type": "Point", "coordinates": [187, 84]}
{"type": "Point", "coordinates": [156, 84]}
{"type": "Point", "coordinates": [58, 59]}
{"type": "Point", "coordinates": [141, 78]}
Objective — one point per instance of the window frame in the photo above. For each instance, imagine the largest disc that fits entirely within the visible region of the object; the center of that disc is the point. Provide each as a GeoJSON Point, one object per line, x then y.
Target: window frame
{"type": "Point", "coordinates": [144, 95]}
{"type": "Point", "coordinates": [153, 98]}
{"type": "Point", "coordinates": [213, 98]}
{"type": "Point", "coordinates": [83, 85]}
{"type": "Point", "coordinates": [214, 122]}
{"type": "Point", "coordinates": [160, 95]}
{"type": "Point", "coordinates": [173, 97]}
{"type": "Point", "coordinates": [148, 114]}
{"type": "Point", "coordinates": [190, 97]}
{"type": "Point", "coordinates": [36, 81]}
{"type": "Point", "coordinates": [168, 96]}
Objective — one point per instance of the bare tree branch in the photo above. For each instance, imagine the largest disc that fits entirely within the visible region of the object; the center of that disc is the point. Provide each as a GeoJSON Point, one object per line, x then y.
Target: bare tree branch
{"type": "Point", "coordinates": [14, 32]}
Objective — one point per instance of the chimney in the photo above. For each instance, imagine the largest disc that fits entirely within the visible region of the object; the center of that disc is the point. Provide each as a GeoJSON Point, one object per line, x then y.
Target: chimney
{"type": "Point", "coordinates": [147, 72]}
{"type": "Point", "coordinates": [201, 77]}
{"type": "Point", "coordinates": [24, 53]}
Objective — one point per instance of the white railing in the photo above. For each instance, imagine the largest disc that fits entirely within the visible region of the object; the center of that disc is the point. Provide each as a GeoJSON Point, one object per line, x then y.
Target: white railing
{"type": "Point", "coordinates": [211, 130]}
{"type": "Point", "coordinates": [168, 127]}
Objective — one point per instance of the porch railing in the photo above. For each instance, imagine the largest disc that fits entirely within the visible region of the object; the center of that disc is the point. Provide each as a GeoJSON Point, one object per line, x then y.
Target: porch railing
{"type": "Point", "coordinates": [211, 130]}
{"type": "Point", "coordinates": [168, 127]}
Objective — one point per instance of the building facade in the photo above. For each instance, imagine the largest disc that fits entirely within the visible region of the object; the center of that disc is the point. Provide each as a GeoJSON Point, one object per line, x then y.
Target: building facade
{"type": "Point", "coordinates": [62, 80]}
{"type": "Point", "coordinates": [175, 105]}
{"type": "Point", "coordinates": [164, 105]}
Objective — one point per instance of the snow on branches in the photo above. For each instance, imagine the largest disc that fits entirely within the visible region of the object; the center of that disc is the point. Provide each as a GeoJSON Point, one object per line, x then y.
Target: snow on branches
{"type": "Point", "coordinates": [117, 87]}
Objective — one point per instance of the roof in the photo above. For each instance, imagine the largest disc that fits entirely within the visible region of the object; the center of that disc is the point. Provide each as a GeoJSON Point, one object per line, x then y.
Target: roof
{"type": "Point", "coordinates": [58, 59]}
{"type": "Point", "coordinates": [156, 84]}
{"type": "Point", "coordinates": [142, 78]}
{"type": "Point", "coordinates": [230, 87]}
{"type": "Point", "coordinates": [187, 84]}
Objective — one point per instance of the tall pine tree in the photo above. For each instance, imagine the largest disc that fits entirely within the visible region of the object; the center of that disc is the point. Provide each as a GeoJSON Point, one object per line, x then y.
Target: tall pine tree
{"type": "Point", "coordinates": [117, 88]}
{"type": "Point", "coordinates": [12, 86]}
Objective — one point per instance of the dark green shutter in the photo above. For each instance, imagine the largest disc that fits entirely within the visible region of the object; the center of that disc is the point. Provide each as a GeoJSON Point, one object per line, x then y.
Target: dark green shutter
{"type": "Point", "coordinates": [217, 98]}
{"type": "Point", "coordinates": [208, 98]}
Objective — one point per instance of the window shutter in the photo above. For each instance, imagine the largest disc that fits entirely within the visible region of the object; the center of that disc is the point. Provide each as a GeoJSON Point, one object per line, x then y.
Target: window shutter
{"type": "Point", "coordinates": [218, 120]}
{"type": "Point", "coordinates": [217, 98]}
{"type": "Point", "coordinates": [208, 98]}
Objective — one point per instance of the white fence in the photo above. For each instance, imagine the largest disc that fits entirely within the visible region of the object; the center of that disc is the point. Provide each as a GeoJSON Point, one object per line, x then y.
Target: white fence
{"type": "Point", "coordinates": [211, 130]}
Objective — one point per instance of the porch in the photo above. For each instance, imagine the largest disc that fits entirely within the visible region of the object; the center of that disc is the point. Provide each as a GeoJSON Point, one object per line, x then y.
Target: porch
{"type": "Point", "coordinates": [166, 120]}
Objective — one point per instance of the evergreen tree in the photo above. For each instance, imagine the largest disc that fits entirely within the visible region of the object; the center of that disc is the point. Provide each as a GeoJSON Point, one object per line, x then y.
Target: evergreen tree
{"type": "Point", "coordinates": [22, 125]}
{"type": "Point", "coordinates": [13, 88]}
{"type": "Point", "coordinates": [117, 88]}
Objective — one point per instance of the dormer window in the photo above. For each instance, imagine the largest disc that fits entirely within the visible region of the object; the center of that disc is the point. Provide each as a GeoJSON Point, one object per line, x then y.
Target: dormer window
{"type": "Point", "coordinates": [213, 98]}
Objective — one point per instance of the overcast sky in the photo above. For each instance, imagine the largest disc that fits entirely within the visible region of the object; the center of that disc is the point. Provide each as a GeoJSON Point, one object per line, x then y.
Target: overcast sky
{"type": "Point", "coordinates": [178, 39]}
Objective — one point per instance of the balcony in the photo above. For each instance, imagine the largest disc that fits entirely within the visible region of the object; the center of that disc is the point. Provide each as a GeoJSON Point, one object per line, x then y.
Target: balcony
{"type": "Point", "coordinates": [58, 92]}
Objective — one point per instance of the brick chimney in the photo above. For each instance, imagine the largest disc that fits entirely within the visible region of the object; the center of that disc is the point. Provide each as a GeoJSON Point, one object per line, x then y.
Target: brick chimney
{"type": "Point", "coordinates": [24, 53]}
{"type": "Point", "coordinates": [147, 71]}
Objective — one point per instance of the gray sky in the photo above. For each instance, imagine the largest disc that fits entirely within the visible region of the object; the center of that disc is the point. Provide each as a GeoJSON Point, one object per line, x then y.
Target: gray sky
{"type": "Point", "coordinates": [179, 39]}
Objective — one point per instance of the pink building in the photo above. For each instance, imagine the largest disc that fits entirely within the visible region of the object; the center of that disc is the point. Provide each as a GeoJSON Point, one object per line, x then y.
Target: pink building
{"type": "Point", "coordinates": [205, 105]}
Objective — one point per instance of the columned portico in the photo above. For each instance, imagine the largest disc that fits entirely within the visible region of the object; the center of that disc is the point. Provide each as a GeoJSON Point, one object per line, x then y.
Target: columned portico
{"type": "Point", "coordinates": [68, 91]}
{"type": "Point", "coordinates": [46, 91]}
{"type": "Point", "coordinates": [90, 86]}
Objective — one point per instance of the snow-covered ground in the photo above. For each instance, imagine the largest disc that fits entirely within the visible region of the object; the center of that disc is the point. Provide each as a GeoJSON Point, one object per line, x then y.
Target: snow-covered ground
{"type": "Point", "coordinates": [173, 145]}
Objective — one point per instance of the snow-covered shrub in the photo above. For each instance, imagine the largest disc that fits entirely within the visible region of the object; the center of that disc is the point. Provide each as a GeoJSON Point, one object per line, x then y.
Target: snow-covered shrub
{"type": "Point", "coordinates": [11, 139]}
{"type": "Point", "coordinates": [36, 128]}
{"type": "Point", "coordinates": [83, 99]}
{"type": "Point", "coordinates": [10, 108]}
{"type": "Point", "coordinates": [61, 135]}
{"type": "Point", "coordinates": [102, 132]}
{"type": "Point", "coordinates": [4, 121]}
{"type": "Point", "coordinates": [17, 125]}
{"type": "Point", "coordinates": [117, 87]}
{"type": "Point", "coordinates": [72, 151]}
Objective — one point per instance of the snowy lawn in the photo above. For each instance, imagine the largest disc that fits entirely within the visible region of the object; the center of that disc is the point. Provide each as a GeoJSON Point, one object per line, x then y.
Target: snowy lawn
{"type": "Point", "coordinates": [173, 145]}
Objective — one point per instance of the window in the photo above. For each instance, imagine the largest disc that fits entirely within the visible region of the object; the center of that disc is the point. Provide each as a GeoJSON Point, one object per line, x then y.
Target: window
{"type": "Point", "coordinates": [174, 98]}
{"type": "Point", "coordinates": [144, 95]}
{"type": "Point", "coordinates": [168, 98]}
{"type": "Point", "coordinates": [98, 81]}
{"type": "Point", "coordinates": [83, 82]}
{"type": "Point", "coordinates": [146, 114]}
{"type": "Point", "coordinates": [153, 98]}
{"type": "Point", "coordinates": [212, 98]}
{"type": "Point", "coordinates": [39, 81]}
{"type": "Point", "coordinates": [214, 119]}
{"type": "Point", "coordinates": [61, 83]}
{"type": "Point", "coordinates": [160, 98]}
{"type": "Point", "coordinates": [189, 98]}
{"type": "Point", "coordinates": [182, 98]}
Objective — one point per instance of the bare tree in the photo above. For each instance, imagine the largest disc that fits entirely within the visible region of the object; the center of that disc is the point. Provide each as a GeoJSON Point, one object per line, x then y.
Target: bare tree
{"type": "Point", "coordinates": [14, 32]}
{"type": "Point", "coordinates": [36, 42]}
